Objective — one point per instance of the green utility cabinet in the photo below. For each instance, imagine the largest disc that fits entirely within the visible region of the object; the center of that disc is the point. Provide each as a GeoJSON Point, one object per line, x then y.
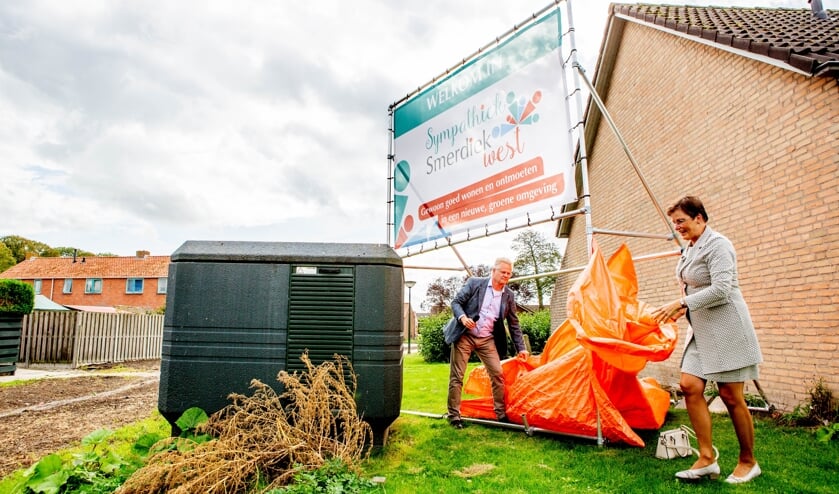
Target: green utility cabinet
{"type": "Point", "coordinates": [237, 311]}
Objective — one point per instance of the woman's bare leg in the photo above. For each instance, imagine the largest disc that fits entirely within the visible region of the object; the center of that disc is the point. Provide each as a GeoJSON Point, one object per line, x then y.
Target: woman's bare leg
{"type": "Point", "coordinates": [735, 401]}
{"type": "Point", "coordinates": [693, 389]}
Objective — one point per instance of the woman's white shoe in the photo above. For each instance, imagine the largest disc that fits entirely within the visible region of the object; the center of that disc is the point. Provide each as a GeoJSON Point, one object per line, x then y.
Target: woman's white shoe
{"type": "Point", "coordinates": [711, 471]}
{"type": "Point", "coordinates": [754, 472]}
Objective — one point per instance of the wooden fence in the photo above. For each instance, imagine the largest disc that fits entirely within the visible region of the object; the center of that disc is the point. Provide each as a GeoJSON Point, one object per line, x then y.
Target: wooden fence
{"type": "Point", "coordinates": [87, 338]}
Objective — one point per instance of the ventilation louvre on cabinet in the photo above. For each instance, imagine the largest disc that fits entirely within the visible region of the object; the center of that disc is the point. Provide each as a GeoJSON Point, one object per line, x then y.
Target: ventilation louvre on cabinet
{"type": "Point", "coordinates": [320, 314]}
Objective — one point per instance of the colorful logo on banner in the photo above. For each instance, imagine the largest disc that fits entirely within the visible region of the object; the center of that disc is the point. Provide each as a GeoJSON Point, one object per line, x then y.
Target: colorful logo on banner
{"type": "Point", "coordinates": [490, 140]}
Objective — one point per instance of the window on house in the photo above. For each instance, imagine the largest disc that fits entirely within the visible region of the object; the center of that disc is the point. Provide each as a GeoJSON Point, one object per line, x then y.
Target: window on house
{"type": "Point", "coordinates": [37, 284]}
{"type": "Point", "coordinates": [134, 285]}
{"type": "Point", "coordinates": [68, 285]}
{"type": "Point", "coordinates": [93, 285]}
{"type": "Point", "coordinates": [162, 284]}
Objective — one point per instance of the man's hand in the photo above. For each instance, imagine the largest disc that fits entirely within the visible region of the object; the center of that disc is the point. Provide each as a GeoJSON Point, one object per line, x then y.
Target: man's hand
{"type": "Point", "coordinates": [467, 322]}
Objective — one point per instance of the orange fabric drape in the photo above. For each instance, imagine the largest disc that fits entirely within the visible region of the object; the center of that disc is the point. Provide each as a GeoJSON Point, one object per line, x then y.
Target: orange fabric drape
{"type": "Point", "coordinates": [590, 363]}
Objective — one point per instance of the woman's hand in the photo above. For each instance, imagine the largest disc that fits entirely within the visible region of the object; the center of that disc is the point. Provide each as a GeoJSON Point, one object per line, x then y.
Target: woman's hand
{"type": "Point", "coordinates": [669, 312]}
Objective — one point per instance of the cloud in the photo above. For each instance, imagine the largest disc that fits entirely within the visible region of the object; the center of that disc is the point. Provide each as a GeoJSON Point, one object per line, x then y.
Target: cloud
{"type": "Point", "coordinates": [129, 125]}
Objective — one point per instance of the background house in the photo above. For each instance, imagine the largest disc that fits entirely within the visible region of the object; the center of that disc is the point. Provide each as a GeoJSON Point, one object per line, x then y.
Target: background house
{"type": "Point", "coordinates": [740, 107]}
{"type": "Point", "coordinates": [97, 283]}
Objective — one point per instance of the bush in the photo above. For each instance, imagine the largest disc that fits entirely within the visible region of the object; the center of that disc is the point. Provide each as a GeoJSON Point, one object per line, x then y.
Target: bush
{"type": "Point", "coordinates": [537, 327]}
{"type": "Point", "coordinates": [16, 297]}
{"type": "Point", "coordinates": [433, 347]}
{"type": "Point", "coordinates": [821, 409]}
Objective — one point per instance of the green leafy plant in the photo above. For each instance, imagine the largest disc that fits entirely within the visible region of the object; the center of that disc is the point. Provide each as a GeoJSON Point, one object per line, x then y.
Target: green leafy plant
{"type": "Point", "coordinates": [95, 469]}
{"type": "Point", "coordinates": [47, 476]}
{"type": "Point", "coordinates": [755, 401]}
{"type": "Point", "coordinates": [824, 409]}
{"type": "Point", "coordinates": [333, 477]}
{"type": "Point", "coordinates": [16, 297]}
{"type": "Point", "coordinates": [146, 444]}
{"type": "Point", "coordinates": [826, 433]}
{"type": "Point", "coordinates": [189, 421]}
{"type": "Point", "coordinates": [752, 400]}
{"type": "Point", "coordinates": [711, 390]}
{"type": "Point", "coordinates": [800, 415]}
{"type": "Point", "coordinates": [98, 468]}
{"type": "Point", "coordinates": [189, 437]}
{"type": "Point", "coordinates": [820, 410]}
{"type": "Point", "coordinates": [823, 406]}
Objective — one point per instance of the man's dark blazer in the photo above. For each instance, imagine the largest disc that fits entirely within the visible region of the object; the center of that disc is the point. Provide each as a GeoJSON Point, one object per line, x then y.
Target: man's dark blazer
{"type": "Point", "coordinates": [468, 302]}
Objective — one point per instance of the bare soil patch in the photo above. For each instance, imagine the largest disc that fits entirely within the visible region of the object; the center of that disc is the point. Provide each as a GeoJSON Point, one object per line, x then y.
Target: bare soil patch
{"type": "Point", "coordinates": [46, 415]}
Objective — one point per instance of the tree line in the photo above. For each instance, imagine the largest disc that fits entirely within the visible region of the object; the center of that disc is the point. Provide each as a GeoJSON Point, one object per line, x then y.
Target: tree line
{"type": "Point", "coordinates": [534, 254]}
{"type": "Point", "coordinates": [15, 249]}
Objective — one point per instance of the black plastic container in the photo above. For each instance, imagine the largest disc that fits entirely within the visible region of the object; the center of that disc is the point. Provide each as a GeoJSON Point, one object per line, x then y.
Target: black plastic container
{"type": "Point", "coordinates": [237, 311]}
{"type": "Point", "coordinates": [10, 332]}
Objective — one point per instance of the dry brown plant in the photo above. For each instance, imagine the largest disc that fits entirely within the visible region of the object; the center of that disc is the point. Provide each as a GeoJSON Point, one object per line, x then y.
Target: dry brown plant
{"type": "Point", "coordinates": [264, 439]}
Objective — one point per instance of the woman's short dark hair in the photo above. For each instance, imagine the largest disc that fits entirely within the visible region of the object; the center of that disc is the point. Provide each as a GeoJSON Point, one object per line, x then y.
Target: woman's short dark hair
{"type": "Point", "coordinates": [691, 206]}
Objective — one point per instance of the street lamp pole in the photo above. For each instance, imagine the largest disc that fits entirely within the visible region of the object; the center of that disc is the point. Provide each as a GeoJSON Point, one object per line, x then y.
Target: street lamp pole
{"type": "Point", "coordinates": [410, 284]}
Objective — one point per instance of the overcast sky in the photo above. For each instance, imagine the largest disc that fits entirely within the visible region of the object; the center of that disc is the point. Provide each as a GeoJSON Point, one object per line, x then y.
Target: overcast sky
{"type": "Point", "coordinates": [138, 125]}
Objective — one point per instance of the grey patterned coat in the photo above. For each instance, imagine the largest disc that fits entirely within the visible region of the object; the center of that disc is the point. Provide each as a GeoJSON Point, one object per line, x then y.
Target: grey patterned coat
{"type": "Point", "coordinates": [719, 317]}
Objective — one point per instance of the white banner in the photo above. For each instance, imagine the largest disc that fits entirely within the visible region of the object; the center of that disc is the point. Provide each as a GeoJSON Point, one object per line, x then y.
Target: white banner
{"type": "Point", "coordinates": [489, 142]}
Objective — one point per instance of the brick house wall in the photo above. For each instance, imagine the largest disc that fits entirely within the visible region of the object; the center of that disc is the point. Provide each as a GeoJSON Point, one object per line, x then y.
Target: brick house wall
{"type": "Point", "coordinates": [112, 271]}
{"type": "Point", "coordinates": [758, 145]}
{"type": "Point", "coordinates": [113, 293]}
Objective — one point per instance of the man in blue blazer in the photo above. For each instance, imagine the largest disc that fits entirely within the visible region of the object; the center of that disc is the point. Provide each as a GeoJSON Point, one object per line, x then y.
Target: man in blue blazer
{"type": "Point", "coordinates": [480, 309]}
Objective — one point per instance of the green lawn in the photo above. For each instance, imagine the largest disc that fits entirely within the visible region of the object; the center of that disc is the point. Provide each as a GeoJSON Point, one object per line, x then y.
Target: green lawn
{"type": "Point", "coordinates": [426, 455]}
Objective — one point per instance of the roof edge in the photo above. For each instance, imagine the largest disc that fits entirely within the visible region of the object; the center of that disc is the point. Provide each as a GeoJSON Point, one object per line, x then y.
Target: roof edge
{"type": "Point", "coordinates": [696, 35]}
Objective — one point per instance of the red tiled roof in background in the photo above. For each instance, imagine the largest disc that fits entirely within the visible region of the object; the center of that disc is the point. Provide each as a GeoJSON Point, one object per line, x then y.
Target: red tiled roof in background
{"type": "Point", "coordinates": [792, 36]}
{"type": "Point", "coordinates": [89, 267]}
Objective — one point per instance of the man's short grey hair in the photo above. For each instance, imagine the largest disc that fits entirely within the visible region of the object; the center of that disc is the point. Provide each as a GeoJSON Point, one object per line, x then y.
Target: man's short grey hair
{"type": "Point", "coordinates": [502, 260]}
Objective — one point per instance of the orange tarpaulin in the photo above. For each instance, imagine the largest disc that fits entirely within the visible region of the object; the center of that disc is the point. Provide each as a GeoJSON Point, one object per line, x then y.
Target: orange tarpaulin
{"type": "Point", "coordinates": [590, 363]}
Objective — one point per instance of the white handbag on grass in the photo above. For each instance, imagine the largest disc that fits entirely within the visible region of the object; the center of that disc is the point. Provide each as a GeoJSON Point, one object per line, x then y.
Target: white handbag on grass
{"type": "Point", "coordinates": [675, 443]}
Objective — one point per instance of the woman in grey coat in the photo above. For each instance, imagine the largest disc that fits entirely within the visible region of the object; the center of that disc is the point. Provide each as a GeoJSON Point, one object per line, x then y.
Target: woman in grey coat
{"type": "Point", "coordinates": [721, 344]}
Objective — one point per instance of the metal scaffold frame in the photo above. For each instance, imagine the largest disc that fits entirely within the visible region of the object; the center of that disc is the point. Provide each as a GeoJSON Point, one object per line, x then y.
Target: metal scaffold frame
{"type": "Point", "coordinates": [583, 202]}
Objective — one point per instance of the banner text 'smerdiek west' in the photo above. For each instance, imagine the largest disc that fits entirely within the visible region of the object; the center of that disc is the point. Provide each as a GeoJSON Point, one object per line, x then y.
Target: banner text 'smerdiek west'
{"type": "Point", "coordinates": [489, 142]}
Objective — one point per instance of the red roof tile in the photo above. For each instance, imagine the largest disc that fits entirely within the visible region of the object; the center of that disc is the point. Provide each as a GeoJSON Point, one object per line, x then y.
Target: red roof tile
{"type": "Point", "coordinates": [792, 36]}
{"type": "Point", "coordinates": [89, 267]}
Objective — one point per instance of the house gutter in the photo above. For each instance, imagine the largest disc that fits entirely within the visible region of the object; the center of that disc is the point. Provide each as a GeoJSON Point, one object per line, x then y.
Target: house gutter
{"type": "Point", "coordinates": [697, 39]}
{"type": "Point", "coordinates": [827, 68]}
